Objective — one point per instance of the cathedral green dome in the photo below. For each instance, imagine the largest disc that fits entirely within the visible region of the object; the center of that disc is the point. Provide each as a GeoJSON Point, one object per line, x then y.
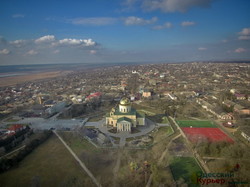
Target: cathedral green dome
{"type": "Point", "coordinates": [125, 102]}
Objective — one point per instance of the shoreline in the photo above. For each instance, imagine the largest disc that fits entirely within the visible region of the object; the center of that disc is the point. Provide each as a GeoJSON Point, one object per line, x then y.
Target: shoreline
{"type": "Point", "coordinates": [20, 78]}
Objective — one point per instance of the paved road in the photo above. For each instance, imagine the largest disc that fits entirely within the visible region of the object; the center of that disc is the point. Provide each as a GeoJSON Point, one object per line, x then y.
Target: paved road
{"type": "Point", "coordinates": [79, 161]}
{"type": "Point", "coordinates": [42, 124]}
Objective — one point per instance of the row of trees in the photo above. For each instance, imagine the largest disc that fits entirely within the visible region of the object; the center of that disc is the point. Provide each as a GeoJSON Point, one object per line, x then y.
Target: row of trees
{"type": "Point", "coordinates": [11, 141]}
{"type": "Point", "coordinates": [7, 163]}
{"type": "Point", "coordinates": [231, 155]}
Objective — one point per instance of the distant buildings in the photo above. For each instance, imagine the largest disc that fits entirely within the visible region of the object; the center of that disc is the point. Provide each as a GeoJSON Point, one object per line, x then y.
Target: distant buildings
{"type": "Point", "coordinates": [146, 93]}
{"type": "Point", "coordinates": [56, 108]}
{"type": "Point", "coordinates": [172, 96]}
{"type": "Point", "coordinates": [94, 95]}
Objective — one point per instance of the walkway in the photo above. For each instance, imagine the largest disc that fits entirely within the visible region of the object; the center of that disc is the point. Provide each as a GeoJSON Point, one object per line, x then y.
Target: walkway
{"type": "Point", "coordinates": [79, 161]}
{"type": "Point", "coordinates": [116, 168]}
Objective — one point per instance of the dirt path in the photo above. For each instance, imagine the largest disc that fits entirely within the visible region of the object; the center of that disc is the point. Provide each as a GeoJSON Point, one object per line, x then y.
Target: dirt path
{"type": "Point", "coordinates": [79, 161]}
{"type": "Point", "coordinates": [116, 168]}
{"type": "Point", "coordinates": [166, 150]}
{"type": "Point", "coordinates": [161, 158]}
{"type": "Point", "coordinates": [13, 151]}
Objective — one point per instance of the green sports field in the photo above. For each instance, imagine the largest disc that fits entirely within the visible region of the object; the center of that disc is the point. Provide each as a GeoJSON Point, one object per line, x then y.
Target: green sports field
{"type": "Point", "coordinates": [194, 123]}
{"type": "Point", "coordinates": [185, 168]}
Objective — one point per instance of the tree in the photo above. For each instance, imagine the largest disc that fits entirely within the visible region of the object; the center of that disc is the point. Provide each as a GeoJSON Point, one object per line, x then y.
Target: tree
{"type": "Point", "coordinates": [133, 83]}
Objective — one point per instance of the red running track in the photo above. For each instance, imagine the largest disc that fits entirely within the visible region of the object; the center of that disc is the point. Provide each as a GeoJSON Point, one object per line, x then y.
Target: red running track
{"type": "Point", "coordinates": [203, 134]}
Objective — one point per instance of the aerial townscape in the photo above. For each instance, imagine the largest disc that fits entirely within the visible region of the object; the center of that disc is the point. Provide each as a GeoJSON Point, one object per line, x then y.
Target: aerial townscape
{"type": "Point", "coordinates": [153, 123]}
{"type": "Point", "coordinates": [125, 93]}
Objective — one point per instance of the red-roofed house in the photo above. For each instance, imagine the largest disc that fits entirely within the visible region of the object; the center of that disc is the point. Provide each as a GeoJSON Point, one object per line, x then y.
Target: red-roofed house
{"type": "Point", "coordinates": [15, 128]}
{"type": "Point", "coordinates": [94, 95]}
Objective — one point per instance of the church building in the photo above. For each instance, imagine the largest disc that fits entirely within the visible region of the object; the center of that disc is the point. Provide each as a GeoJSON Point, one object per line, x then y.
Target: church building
{"type": "Point", "coordinates": [123, 118]}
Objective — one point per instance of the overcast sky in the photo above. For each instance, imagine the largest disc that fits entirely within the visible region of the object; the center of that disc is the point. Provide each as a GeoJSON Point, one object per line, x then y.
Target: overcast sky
{"type": "Point", "coordinates": [100, 31]}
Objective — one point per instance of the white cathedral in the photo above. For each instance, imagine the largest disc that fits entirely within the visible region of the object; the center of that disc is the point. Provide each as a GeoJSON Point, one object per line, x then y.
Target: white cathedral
{"type": "Point", "coordinates": [124, 117]}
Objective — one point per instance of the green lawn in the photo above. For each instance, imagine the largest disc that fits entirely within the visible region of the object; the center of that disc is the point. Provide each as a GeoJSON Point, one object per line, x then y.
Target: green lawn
{"type": "Point", "coordinates": [162, 133]}
{"type": "Point", "coordinates": [165, 120]}
{"type": "Point", "coordinates": [165, 130]}
{"type": "Point", "coordinates": [185, 168]}
{"type": "Point", "coordinates": [194, 123]}
{"type": "Point", "coordinates": [76, 143]}
{"type": "Point", "coordinates": [48, 165]}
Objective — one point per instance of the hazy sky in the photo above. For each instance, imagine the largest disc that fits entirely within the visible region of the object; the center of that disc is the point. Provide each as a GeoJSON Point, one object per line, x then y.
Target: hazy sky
{"type": "Point", "coordinates": [49, 31]}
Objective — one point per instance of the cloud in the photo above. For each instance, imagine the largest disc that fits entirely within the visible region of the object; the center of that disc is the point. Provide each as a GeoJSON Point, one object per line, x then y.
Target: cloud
{"type": "Point", "coordinates": [56, 51]}
{"type": "Point", "coordinates": [245, 31]}
{"type": "Point", "coordinates": [202, 48]}
{"type": "Point", "coordinates": [48, 48]}
{"type": "Point", "coordinates": [244, 37]}
{"type": "Point", "coordinates": [132, 20]}
{"type": "Point", "coordinates": [4, 52]}
{"type": "Point", "coordinates": [129, 5]}
{"type": "Point", "coordinates": [187, 23]}
{"type": "Point", "coordinates": [18, 43]}
{"type": "Point", "coordinates": [75, 42]}
{"type": "Point", "coordinates": [65, 42]}
{"type": "Point", "coordinates": [92, 52]}
{"type": "Point", "coordinates": [48, 38]}
{"type": "Point", "coordinates": [130, 2]}
{"type": "Point", "coordinates": [17, 16]}
{"type": "Point", "coordinates": [164, 26]}
{"type": "Point", "coordinates": [244, 34]}
{"type": "Point", "coordinates": [94, 21]}
{"type": "Point", "coordinates": [240, 50]}
{"type": "Point", "coordinates": [32, 52]}
{"type": "Point", "coordinates": [170, 5]}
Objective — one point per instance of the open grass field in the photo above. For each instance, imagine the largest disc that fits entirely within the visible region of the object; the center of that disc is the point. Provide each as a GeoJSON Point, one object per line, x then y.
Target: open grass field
{"type": "Point", "coordinates": [185, 168]}
{"type": "Point", "coordinates": [146, 109]}
{"type": "Point", "coordinates": [162, 133]}
{"type": "Point", "coordinates": [204, 134]}
{"type": "Point", "coordinates": [48, 165]}
{"type": "Point", "coordinates": [195, 123]}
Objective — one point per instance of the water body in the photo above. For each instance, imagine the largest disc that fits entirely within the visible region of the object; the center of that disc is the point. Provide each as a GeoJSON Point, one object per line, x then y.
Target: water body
{"type": "Point", "coordinates": [15, 70]}
{"type": "Point", "coordinates": [11, 75]}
